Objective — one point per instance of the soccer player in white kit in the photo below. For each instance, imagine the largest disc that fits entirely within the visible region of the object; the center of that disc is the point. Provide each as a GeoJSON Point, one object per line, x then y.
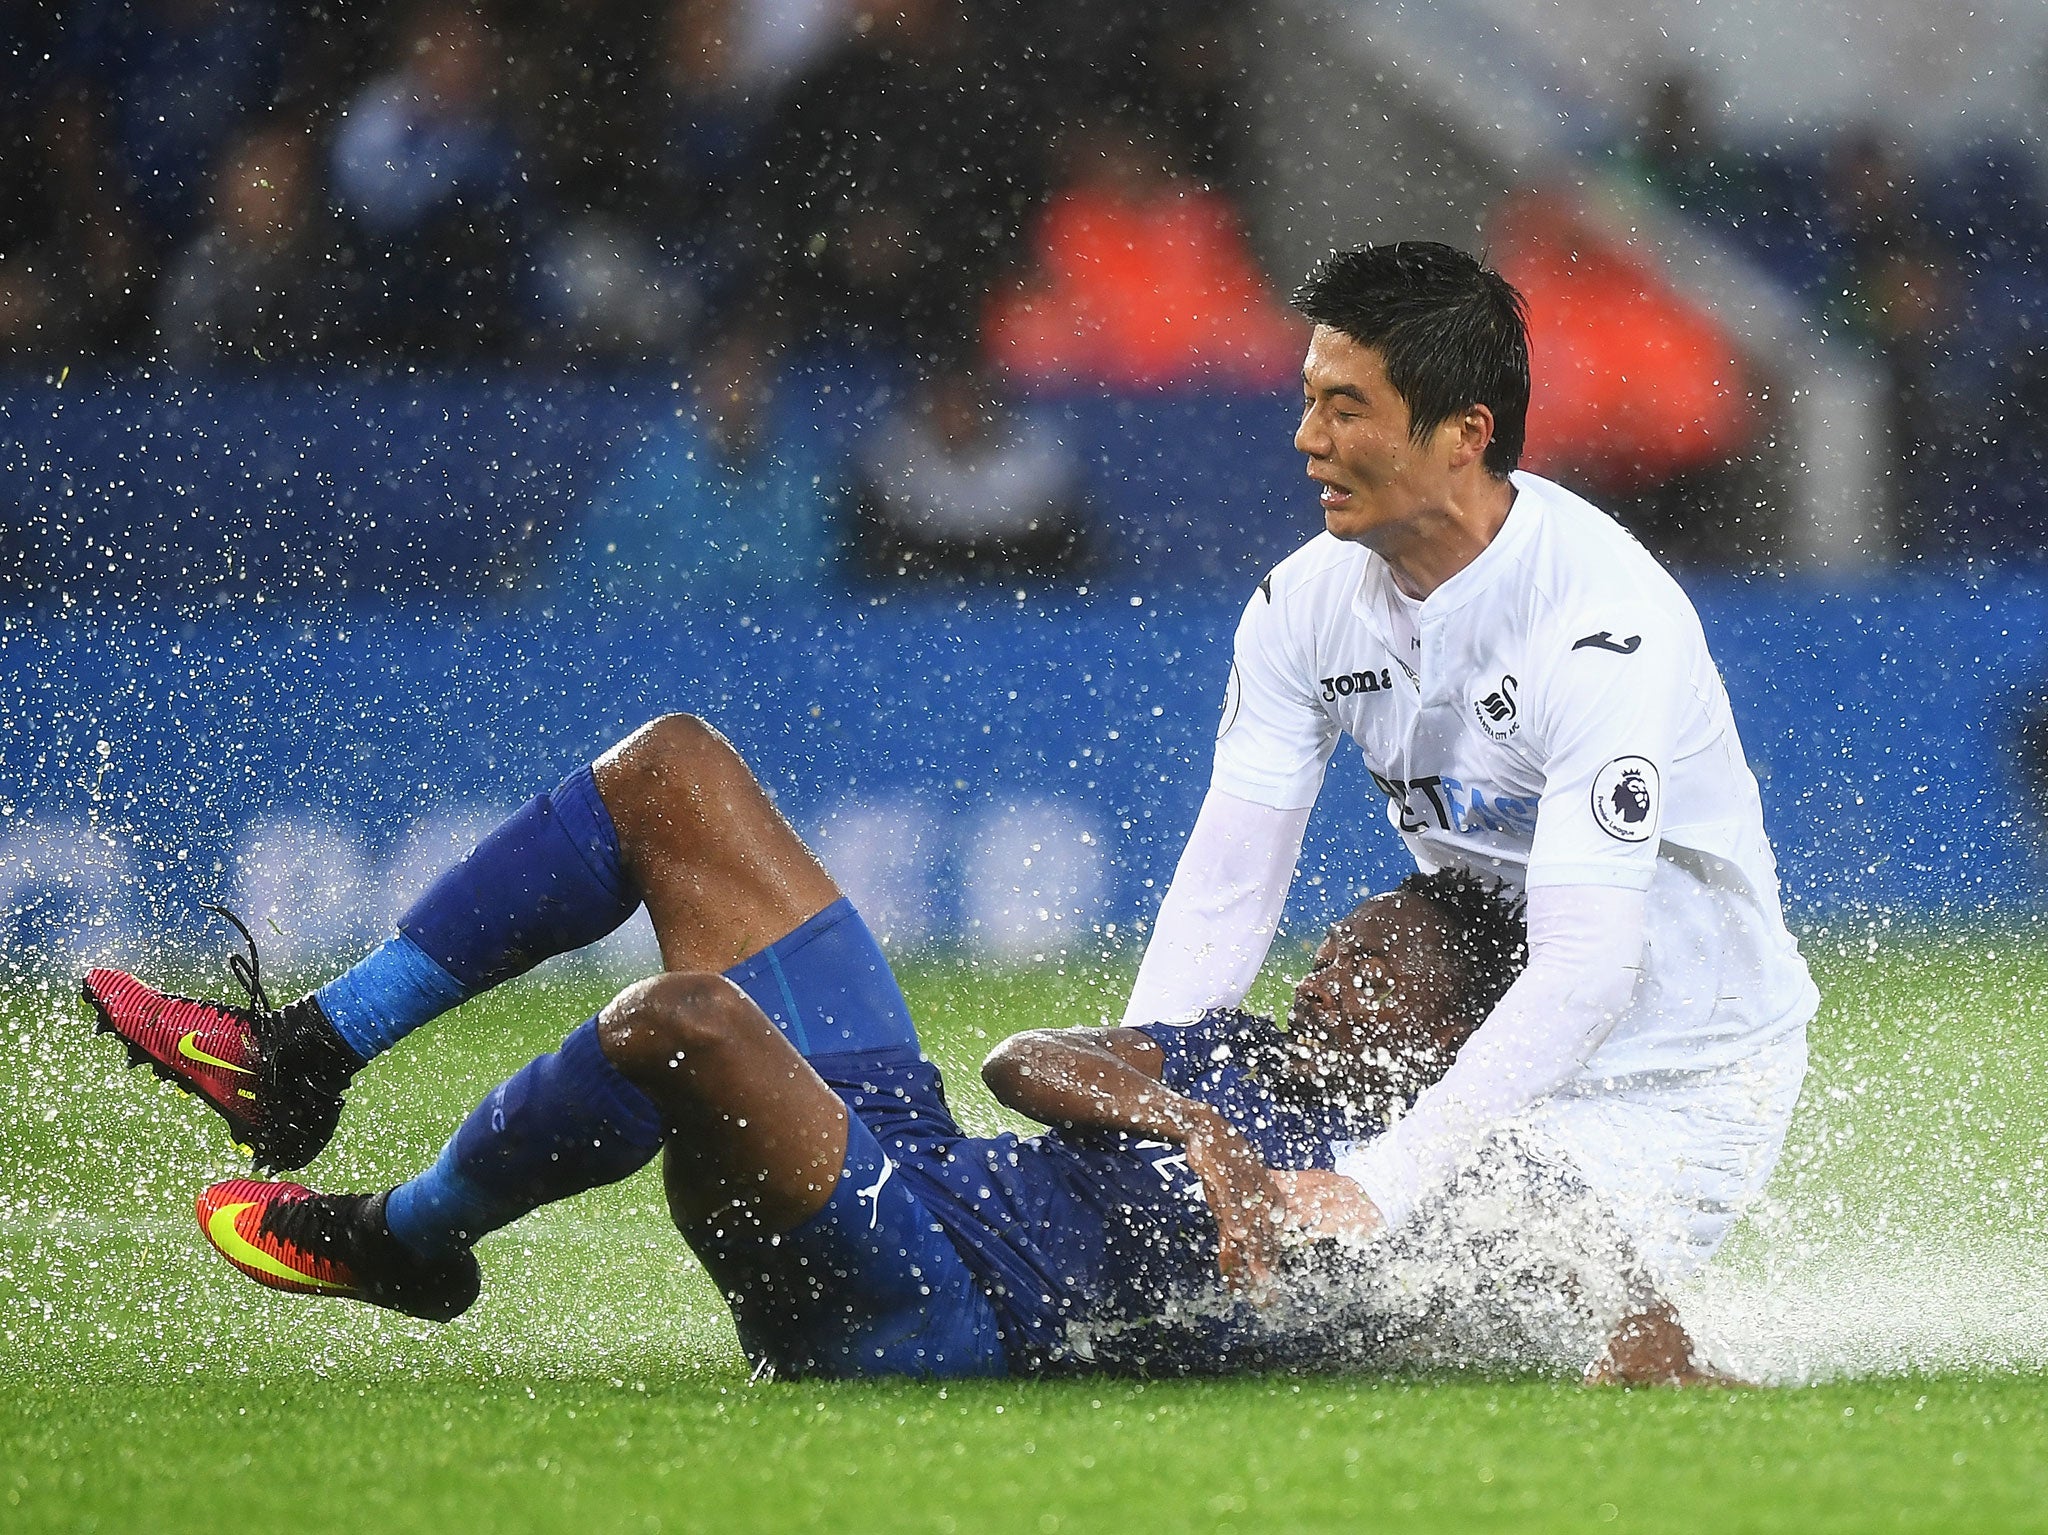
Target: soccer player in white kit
{"type": "Point", "coordinates": [1533, 695]}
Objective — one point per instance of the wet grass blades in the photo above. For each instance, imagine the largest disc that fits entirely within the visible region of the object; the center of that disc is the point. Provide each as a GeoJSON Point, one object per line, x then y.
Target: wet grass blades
{"type": "Point", "coordinates": [597, 1385]}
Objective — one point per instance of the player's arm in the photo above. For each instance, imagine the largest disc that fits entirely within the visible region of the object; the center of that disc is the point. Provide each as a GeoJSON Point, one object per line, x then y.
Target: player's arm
{"type": "Point", "coordinates": [1585, 948]}
{"type": "Point", "coordinates": [1088, 1079]}
{"type": "Point", "coordinates": [1608, 723]}
{"type": "Point", "coordinates": [1109, 1079]}
{"type": "Point", "coordinates": [1219, 914]}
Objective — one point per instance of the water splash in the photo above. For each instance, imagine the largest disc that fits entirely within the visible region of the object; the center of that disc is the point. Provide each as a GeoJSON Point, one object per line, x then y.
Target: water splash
{"type": "Point", "coordinates": [1904, 1232]}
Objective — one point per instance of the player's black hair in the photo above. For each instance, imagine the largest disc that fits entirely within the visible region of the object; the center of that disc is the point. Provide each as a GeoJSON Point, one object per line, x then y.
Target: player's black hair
{"type": "Point", "coordinates": [1451, 332]}
{"type": "Point", "coordinates": [1486, 934]}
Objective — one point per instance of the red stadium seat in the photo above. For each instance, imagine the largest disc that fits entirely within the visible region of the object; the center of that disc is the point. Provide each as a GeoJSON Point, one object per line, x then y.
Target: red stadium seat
{"type": "Point", "coordinates": [1634, 383]}
{"type": "Point", "coordinates": [1141, 290]}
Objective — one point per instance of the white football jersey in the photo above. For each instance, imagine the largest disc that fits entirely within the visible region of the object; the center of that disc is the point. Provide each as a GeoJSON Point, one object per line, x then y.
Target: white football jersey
{"type": "Point", "coordinates": [1548, 716]}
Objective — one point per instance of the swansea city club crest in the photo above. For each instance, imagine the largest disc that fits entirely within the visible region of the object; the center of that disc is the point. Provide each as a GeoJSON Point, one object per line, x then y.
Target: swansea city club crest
{"type": "Point", "coordinates": [1495, 708]}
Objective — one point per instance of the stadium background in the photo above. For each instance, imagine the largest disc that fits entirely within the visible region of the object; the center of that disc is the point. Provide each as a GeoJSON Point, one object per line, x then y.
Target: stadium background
{"type": "Point", "coordinates": [344, 506]}
{"type": "Point", "coordinates": [294, 607]}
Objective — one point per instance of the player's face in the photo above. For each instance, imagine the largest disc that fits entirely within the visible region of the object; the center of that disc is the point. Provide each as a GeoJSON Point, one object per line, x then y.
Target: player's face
{"type": "Point", "coordinates": [1376, 1013]}
{"type": "Point", "coordinates": [1376, 481]}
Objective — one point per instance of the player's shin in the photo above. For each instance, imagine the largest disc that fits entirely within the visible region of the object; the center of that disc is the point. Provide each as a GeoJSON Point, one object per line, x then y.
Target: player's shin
{"type": "Point", "coordinates": [565, 1123]}
{"type": "Point", "coordinates": [548, 880]}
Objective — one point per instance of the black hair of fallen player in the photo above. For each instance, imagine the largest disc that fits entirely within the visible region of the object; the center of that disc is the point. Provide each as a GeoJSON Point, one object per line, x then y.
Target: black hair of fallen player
{"type": "Point", "coordinates": [1486, 933]}
{"type": "Point", "coordinates": [1452, 333]}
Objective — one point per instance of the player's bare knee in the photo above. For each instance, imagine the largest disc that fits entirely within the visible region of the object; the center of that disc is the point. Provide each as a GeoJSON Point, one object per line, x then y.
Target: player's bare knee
{"type": "Point", "coordinates": [671, 749]}
{"type": "Point", "coordinates": [656, 1028]}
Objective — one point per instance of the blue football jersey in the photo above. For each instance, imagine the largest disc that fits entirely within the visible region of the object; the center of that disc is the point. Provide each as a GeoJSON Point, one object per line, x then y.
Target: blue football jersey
{"type": "Point", "coordinates": [1085, 1240]}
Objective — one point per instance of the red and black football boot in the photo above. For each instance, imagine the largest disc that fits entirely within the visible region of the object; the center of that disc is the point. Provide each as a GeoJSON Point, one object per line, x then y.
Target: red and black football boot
{"type": "Point", "coordinates": [289, 1238]}
{"type": "Point", "coordinates": [275, 1076]}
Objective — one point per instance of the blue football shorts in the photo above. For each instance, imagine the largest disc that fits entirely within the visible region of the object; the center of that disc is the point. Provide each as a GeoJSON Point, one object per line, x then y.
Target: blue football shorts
{"type": "Point", "coordinates": [871, 1284]}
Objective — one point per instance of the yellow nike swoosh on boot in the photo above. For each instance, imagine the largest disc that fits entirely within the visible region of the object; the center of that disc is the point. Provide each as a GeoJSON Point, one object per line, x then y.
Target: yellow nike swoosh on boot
{"type": "Point", "coordinates": [220, 1230]}
{"type": "Point", "coordinates": [192, 1052]}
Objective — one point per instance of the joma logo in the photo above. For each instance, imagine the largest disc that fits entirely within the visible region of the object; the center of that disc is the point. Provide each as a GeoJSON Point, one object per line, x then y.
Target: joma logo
{"type": "Point", "coordinates": [1357, 682]}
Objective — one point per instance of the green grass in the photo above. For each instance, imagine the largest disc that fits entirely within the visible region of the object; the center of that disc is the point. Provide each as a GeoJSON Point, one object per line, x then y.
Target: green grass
{"type": "Point", "coordinates": [597, 1386]}
{"type": "Point", "coordinates": [694, 1452]}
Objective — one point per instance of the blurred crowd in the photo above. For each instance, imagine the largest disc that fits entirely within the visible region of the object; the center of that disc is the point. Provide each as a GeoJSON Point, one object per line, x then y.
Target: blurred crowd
{"type": "Point", "coordinates": [988, 195]}
{"type": "Point", "coordinates": [256, 182]}
{"type": "Point", "coordinates": [1932, 263]}
{"type": "Point", "coordinates": [979, 193]}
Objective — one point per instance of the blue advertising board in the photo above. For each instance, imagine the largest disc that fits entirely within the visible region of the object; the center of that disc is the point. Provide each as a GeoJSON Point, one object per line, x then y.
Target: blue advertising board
{"type": "Point", "coordinates": [293, 642]}
{"type": "Point", "coordinates": [1012, 774]}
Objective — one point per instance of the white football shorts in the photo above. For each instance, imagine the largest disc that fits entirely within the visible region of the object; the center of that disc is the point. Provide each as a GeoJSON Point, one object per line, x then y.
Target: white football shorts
{"type": "Point", "coordinates": [1677, 1156]}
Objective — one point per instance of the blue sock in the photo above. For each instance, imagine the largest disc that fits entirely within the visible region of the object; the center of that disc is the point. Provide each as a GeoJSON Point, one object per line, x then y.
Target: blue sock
{"type": "Point", "coordinates": [387, 994]}
{"type": "Point", "coordinates": [565, 1123]}
{"type": "Point", "coordinates": [546, 881]}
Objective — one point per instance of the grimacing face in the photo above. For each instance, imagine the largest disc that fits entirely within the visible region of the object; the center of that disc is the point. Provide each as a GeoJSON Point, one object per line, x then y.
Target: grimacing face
{"type": "Point", "coordinates": [1377, 1012]}
{"type": "Point", "coordinates": [1375, 481]}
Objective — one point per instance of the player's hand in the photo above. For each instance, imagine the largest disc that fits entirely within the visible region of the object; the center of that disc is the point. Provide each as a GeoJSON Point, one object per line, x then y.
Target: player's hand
{"type": "Point", "coordinates": [1652, 1348]}
{"type": "Point", "coordinates": [1242, 1197]}
{"type": "Point", "coordinates": [1316, 1203]}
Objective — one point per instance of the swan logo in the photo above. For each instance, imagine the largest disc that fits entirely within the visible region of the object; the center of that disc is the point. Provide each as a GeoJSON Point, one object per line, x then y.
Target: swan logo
{"type": "Point", "coordinates": [1496, 712]}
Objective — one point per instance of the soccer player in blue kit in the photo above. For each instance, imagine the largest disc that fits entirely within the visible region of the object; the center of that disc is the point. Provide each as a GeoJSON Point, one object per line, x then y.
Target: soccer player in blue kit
{"type": "Point", "coordinates": [810, 1158]}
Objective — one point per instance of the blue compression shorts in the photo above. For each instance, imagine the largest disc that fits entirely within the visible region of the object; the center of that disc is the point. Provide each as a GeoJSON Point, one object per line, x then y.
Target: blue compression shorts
{"type": "Point", "coordinates": [871, 1284]}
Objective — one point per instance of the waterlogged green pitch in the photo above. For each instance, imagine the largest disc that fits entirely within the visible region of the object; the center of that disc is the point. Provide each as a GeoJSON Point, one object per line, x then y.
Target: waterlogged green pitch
{"type": "Point", "coordinates": [1896, 1288]}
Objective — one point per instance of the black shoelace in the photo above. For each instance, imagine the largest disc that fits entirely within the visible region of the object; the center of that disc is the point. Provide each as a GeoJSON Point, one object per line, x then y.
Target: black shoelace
{"type": "Point", "coordinates": [246, 969]}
